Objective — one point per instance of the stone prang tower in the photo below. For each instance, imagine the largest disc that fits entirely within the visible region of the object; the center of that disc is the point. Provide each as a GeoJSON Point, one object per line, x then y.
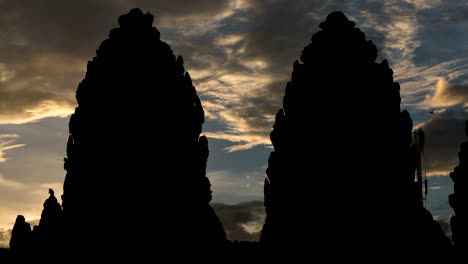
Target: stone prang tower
{"type": "Point", "coordinates": [135, 159]}
{"type": "Point", "coordinates": [342, 173]}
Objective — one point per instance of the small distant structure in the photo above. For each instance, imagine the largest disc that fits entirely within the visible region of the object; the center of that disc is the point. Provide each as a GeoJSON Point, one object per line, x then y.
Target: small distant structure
{"type": "Point", "coordinates": [420, 178]}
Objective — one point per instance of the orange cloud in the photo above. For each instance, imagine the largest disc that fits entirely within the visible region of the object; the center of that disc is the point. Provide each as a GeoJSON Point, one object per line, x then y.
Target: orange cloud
{"type": "Point", "coordinates": [446, 95]}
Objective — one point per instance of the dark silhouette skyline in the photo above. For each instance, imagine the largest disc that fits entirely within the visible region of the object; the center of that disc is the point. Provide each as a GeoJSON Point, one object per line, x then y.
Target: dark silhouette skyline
{"type": "Point", "coordinates": [156, 185]}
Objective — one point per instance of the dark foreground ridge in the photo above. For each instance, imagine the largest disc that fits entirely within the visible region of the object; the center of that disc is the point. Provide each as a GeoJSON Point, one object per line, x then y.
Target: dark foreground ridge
{"type": "Point", "coordinates": [341, 177]}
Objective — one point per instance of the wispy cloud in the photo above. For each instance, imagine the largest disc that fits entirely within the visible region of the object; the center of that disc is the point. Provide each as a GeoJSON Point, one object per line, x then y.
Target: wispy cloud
{"type": "Point", "coordinates": [400, 27]}
{"type": "Point", "coordinates": [6, 143]}
{"type": "Point", "coordinates": [238, 52]}
{"type": "Point", "coordinates": [422, 4]}
{"type": "Point", "coordinates": [11, 184]}
{"type": "Point", "coordinates": [245, 106]}
{"type": "Point", "coordinates": [227, 93]}
{"type": "Point", "coordinates": [242, 141]}
{"type": "Point", "coordinates": [403, 27]}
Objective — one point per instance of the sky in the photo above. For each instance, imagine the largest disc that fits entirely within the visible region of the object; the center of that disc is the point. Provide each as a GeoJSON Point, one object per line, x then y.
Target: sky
{"type": "Point", "coordinates": [239, 54]}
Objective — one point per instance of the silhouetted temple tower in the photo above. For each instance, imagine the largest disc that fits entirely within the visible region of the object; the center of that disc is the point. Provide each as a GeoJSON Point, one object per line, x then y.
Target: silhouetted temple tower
{"type": "Point", "coordinates": [135, 160]}
{"type": "Point", "coordinates": [342, 173]}
{"type": "Point", "coordinates": [459, 199]}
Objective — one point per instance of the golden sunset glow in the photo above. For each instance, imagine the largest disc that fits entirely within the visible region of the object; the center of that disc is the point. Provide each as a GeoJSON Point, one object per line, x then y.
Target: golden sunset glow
{"type": "Point", "coordinates": [240, 55]}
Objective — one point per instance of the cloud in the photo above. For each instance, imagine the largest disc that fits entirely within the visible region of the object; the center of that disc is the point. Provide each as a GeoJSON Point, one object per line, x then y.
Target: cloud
{"type": "Point", "coordinates": [440, 54]}
{"type": "Point", "coordinates": [444, 133]}
{"type": "Point", "coordinates": [40, 72]}
{"type": "Point", "coordinates": [246, 92]}
{"type": "Point", "coordinates": [10, 183]}
{"type": "Point", "coordinates": [445, 225]}
{"type": "Point", "coordinates": [242, 221]}
{"type": "Point", "coordinates": [229, 92]}
{"type": "Point", "coordinates": [5, 236]}
{"type": "Point", "coordinates": [45, 45]}
{"type": "Point", "coordinates": [228, 188]}
{"type": "Point", "coordinates": [440, 187]}
{"type": "Point", "coordinates": [412, 35]}
{"type": "Point", "coordinates": [265, 47]}
{"type": "Point", "coordinates": [239, 53]}
{"type": "Point", "coordinates": [243, 141]}
{"type": "Point", "coordinates": [419, 83]}
{"type": "Point", "coordinates": [40, 160]}
{"type": "Point", "coordinates": [397, 27]}
{"type": "Point", "coordinates": [446, 95]}
{"type": "Point", "coordinates": [6, 143]}
{"type": "Point", "coordinates": [442, 38]}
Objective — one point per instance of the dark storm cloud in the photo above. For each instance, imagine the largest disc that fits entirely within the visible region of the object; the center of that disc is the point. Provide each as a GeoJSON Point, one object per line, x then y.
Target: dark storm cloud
{"type": "Point", "coordinates": [242, 221]}
{"type": "Point", "coordinates": [64, 27]}
{"type": "Point", "coordinates": [279, 30]}
{"type": "Point", "coordinates": [34, 93]}
{"type": "Point", "coordinates": [180, 7]}
{"type": "Point", "coordinates": [445, 131]}
{"type": "Point", "coordinates": [77, 27]}
{"type": "Point", "coordinates": [258, 110]}
{"type": "Point", "coordinates": [45, 45]}
{"type": "Point", "coordinates": [44, 48]}
{"type": "Point", "coordinates": [444, 30]}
